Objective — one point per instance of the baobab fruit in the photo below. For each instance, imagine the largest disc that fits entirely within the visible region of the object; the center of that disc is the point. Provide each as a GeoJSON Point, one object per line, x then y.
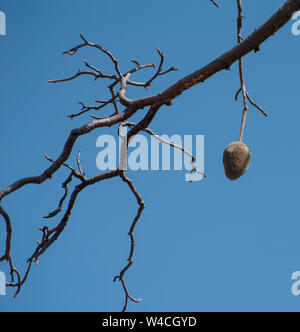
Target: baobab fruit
{"type": "Point", "coordinates": [236, 160]}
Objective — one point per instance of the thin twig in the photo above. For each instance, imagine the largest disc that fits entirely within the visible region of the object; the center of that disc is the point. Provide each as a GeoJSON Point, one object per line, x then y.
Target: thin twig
{"type": "Point", "coordinates": [20, 282]}
{"type": "Point", "coordinates": [216, 4]}
{"type": "Point", "coordinates": [61, 202]}
{"type": "Point", "coordinates": [79, 73]}
{"type": "Point", "coordinates": [255, 105]}
{"type": "Point", "coordinates": [8, 227]}
{"type": "Point", "coordinates": [241, 74]}
{"type": "Point", "coordinates": [75, 173]}
{"type": "Point", "coordinates": [79, 164]}
{"type": "Point", "coordinates": [181, 148]}
{"type": "Point", "coordinates": [130, 233]}
{"type": "Point", "coordinates": [241, 70]}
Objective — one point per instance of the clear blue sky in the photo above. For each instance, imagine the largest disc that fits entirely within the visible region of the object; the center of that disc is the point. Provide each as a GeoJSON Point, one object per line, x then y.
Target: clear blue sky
{"type": "Point", "coordinates": [213, 245]}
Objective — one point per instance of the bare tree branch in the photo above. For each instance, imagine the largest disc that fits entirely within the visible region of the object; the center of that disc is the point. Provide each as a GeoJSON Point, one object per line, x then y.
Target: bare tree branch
{"type": "Point", "coordinates": [175, 146]}
{"type": "Point", "coordinates": [214, 2]}
{"type": "Point", "coordinates": [6, 218]}
{"type": "Point", "coordinates": [241, 73]}
{"type": "Point", "coordinates": [60, 205]}
{"type": "Point", "coordinates": [130, 258]}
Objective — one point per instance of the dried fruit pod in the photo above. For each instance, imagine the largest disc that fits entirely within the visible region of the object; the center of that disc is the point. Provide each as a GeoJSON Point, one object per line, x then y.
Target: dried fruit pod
{"type": "Point", "coordinates": [236, 160]}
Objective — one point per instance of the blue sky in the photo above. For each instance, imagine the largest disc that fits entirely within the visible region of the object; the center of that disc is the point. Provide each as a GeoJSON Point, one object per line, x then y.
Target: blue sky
{"type": "Point", "coordinates": [213, 245]}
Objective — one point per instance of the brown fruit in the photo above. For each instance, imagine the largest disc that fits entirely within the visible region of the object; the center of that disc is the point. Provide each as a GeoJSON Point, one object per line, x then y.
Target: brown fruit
{"type": "Point", "coordinates": [236, 160]}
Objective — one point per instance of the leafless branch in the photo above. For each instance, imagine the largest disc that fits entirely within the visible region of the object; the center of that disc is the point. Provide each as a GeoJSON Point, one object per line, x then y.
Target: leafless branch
{"type": "Point", "coordinates": [8, 234]}
{"type": "Point", "coordinates": [255, 105]}
{"type": "Point", "coordinates": [216, 4]}
{"type": "Point", "coordinates": [241, 69]}
{"type": "Point", "coordinates": [60, 205]}
{"type": "Point", "coordinates": [20, 282]}
{"type": "Point", "coordinates": [79, 164]}
{"type": "Point", "coordinates": [117, 79]}
{"type": "Point", "coordinates": [85, 108]}
{"type": "Point", "coordinates": [241, 73]}
{"type": "Point", "coordinates": [75, 173]}
{"type": "Point", "coordinates": [114, 97]}
{"type": "Point", "coordinates": [175, 146]}
{"type": "Point", "coordinates": [130, 258]}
